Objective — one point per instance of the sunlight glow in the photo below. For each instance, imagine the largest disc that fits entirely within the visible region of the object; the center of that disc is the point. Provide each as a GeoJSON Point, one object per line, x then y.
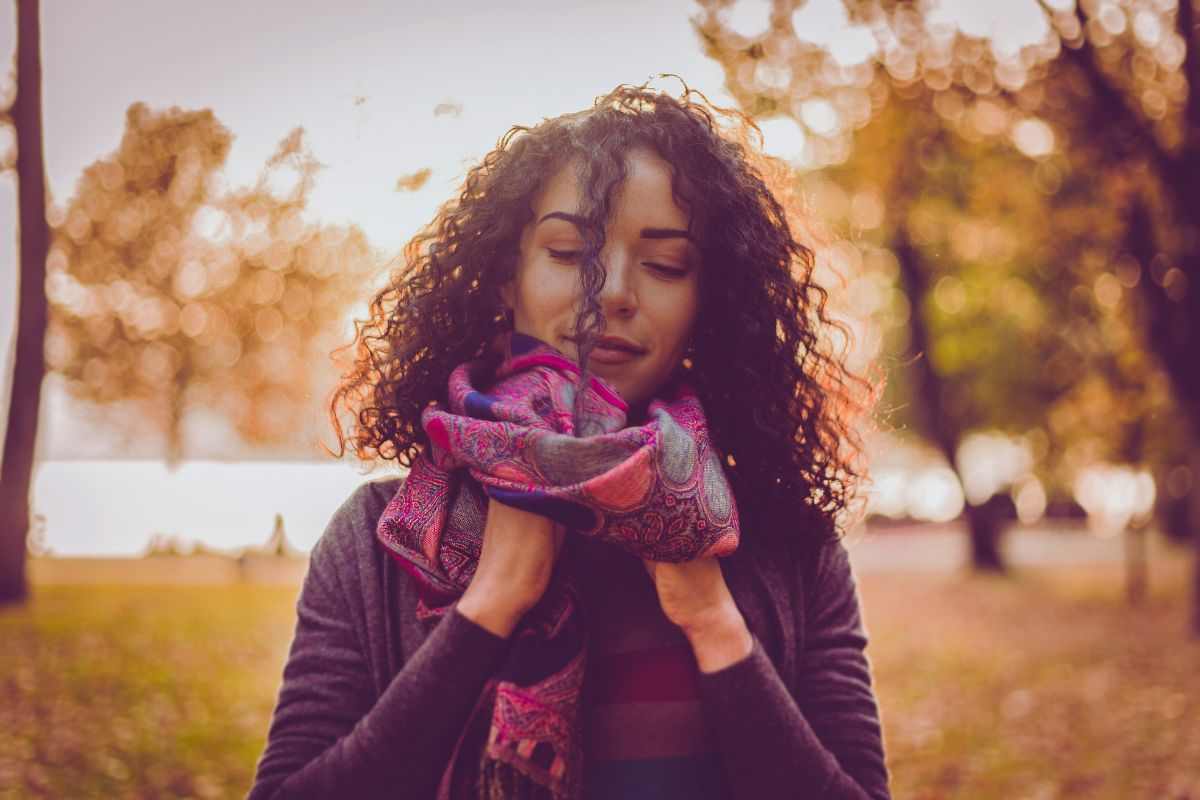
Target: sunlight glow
{"type": "Point", "coordinates": [989, 462]}
{"type": "Point", "coordinates": [824, 22]}
{"type": "Point", "coordinates": [935, 495]}
{"type": "Point", "coordinates": [1010, 25]}
{"type": "Point", "coordinates": [1033, 137]}
{"type": "Point", "coordinates": [783, 138]}
{"type": "Point", "coordinates": [1114, 495]}
{"type": "Point", "coordinates": [748, 18]}
{"type": "Point", "coordinates": [1029, 496]}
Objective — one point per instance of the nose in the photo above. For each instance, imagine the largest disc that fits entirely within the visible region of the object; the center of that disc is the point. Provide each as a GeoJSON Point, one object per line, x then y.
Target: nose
{"type": "Point", "coordinates": [618, 294]}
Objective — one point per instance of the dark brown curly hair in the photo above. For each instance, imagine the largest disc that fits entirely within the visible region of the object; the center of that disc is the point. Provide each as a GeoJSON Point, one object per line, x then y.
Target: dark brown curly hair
{"type": "Point", "coordinates": [780, 402]}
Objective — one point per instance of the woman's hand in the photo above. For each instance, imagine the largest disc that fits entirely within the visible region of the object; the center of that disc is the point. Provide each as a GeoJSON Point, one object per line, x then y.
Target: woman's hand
{"type": "Point", "coordinates": [520, 549]}
{"type": "Point", "coordinates": [693, 595]}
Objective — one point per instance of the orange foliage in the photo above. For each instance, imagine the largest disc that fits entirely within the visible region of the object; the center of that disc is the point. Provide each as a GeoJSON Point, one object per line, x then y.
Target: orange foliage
{"type": "Point", "coordinates": [171, 292]}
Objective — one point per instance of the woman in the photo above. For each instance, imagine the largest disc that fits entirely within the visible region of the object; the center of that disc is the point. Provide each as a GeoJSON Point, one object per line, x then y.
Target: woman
{"type": "Point", "coordinates": [613, 569]}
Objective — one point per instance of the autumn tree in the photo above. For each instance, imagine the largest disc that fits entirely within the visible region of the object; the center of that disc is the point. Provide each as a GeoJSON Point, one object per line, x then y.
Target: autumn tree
{"type": "Point", "coordinates": [1001, 307]}
{"type": "Point", "coordinates": [20, 437]}
{"type": "Point", "coordinates": [1119, 80]}
{"type": "Point", "coordinates": [171, 292]}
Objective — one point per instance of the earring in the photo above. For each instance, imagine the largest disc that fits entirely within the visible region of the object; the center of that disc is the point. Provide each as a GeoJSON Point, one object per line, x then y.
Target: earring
{"type": "Point", "coordinates": [507, 324]}
{"type": "Point", "coordinates": [689, 356]}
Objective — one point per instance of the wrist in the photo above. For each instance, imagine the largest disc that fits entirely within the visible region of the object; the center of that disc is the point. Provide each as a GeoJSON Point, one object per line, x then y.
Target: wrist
{"type": "Point", "coordinates": [720, 640]}
{"type": "Point", "coordinates": [489, 611]}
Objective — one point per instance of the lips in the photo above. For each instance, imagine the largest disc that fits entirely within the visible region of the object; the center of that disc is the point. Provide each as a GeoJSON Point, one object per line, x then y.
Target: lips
{"type": "Point", "coordinates": [617, 343]}
{"type": "Point", "coordinates": [614, 350]}
{"type": "Point", "coordinates": [612, 355]}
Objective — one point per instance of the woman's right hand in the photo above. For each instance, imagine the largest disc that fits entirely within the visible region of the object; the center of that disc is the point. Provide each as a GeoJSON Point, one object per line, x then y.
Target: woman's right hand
{"type": "Point", "coordinates": [520, 549]}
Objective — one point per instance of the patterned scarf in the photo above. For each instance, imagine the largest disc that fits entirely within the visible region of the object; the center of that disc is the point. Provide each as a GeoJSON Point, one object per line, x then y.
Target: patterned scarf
{"type": "Point", "coordinates": [656, 490]}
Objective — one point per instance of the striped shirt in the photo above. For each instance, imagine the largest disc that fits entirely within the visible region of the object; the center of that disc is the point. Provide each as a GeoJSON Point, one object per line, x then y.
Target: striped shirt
{"type": "Point", "coordinates": [644, 734]}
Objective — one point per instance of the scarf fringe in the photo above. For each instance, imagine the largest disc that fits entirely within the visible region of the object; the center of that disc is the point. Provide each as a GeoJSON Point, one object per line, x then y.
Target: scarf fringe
{"type": "Point", "coordinates": [499, 780]}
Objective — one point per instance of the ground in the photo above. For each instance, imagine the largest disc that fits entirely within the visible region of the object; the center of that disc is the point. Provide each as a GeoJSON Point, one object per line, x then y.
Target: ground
{"type": "Point", "coordinates": [1043, 685]}
{"type": "Point", "coordinates": [1047, 685]}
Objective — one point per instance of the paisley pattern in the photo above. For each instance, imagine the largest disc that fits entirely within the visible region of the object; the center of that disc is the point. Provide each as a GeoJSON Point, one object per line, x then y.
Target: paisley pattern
{"type": "Point", "coordinates": [656, 490]}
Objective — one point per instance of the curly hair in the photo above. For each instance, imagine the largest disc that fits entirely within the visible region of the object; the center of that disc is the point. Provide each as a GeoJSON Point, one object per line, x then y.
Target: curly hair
{"type": "Point", "coordinates": [780, 402]}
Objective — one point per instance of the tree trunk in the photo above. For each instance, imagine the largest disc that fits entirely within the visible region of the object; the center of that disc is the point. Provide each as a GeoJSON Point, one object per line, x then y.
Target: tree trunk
{"type": "Point", "coordinates": [1173, 330]}
{"type": "Point", "coordinates": [1194, 497]}
{"type": "Point", "coordinates": [1137, 562]}
{"type": "Point", "coordinates": [20, 439]}
{"type": "Point", "coordinates": [985, 528]}
{"type": "Point", "coordinates": [1136, 565]}
{"type": "Point", "coordinates": [984, 525]}
{"type": "Point", "coordinates": [176, 408]}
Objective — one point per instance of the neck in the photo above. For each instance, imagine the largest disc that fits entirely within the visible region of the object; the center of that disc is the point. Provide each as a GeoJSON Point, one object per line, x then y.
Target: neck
{"type": "Point", "coordinates": [637, 414]}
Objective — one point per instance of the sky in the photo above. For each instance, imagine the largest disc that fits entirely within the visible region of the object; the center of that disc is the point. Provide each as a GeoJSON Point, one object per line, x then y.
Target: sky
{"type": "Point", "coordinates": [363, 79]}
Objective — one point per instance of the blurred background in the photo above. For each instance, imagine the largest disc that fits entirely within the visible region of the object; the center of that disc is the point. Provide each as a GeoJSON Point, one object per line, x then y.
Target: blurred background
{"type": "Point", "coordinates": [1004, 199]}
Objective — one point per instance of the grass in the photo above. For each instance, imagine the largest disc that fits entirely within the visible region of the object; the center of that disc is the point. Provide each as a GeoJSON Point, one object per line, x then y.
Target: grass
{"type": "Point", "coordinates": [1044, 685]}
{"type": "Point", "coordinates": [139, 691]}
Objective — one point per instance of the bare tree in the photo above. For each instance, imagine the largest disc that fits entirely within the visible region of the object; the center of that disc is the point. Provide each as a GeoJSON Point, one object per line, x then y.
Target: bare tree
{"type": "Point", "coordinates": [20, 438]}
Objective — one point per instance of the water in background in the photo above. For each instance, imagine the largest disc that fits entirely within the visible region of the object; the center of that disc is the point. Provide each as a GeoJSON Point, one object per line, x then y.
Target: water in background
{"type": "Point", "coordinates": [112, 508]}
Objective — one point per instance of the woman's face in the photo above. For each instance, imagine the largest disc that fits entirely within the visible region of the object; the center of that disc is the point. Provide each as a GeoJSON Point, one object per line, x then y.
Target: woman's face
{"type": "Point", "coordinates": [650, 296]}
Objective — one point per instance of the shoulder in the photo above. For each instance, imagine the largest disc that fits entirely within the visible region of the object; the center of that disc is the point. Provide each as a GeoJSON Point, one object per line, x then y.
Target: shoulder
{"type": "Point", "coordinates": [831, 562]}
{"type": "Point", "coordinates": [362, 509]}
{"type": "Point", "coordinates": [348, 543]}
{"type": "Point", "coordinates": [831, 589]}
{"type": "Point", "coordinates": [807, 561]}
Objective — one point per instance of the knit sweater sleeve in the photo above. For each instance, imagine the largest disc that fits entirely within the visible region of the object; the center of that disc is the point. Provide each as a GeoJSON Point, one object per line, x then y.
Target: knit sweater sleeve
{"type": "Point", "coordinates": [825, 741]}
{"type": "Point", "coordinates": [332, 733]}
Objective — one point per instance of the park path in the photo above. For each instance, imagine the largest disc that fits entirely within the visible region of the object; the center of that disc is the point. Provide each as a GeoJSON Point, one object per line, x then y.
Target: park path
{"type": "Point", "coordinates": [943, 547]}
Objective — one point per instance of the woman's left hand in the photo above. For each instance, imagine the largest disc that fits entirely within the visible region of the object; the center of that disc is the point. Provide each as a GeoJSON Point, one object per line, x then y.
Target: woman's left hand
{"type": "Point", "coordinates": [693, 595]}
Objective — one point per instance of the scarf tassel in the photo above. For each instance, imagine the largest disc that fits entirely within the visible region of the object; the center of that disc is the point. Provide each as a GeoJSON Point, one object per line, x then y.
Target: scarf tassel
{"type": "Point", "coordinates": [499, 780]}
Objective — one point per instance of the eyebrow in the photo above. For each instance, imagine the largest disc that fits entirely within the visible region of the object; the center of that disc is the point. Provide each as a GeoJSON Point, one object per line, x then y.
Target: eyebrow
{"type": "Point", "coordinates": [647, 233]}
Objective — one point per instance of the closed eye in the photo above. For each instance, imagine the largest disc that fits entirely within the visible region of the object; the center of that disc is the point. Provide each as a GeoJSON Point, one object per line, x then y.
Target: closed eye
{"type": "Point", "coordinates": [567, 256]}
{"type": "Point", "coordinates": [571, 256]}
{"type": "Point", "coordinates": [663, 268]}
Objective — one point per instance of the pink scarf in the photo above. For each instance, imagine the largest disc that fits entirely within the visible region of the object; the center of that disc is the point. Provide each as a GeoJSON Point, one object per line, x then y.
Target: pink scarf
{"type": "Point", "coordinates": [656, 490]}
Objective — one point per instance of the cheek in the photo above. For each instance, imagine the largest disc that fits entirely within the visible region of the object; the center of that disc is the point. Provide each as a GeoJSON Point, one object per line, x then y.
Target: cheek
{"type": "Point", "coordinates": [673, 316]}
{"type": "Point", "coordinates": [544, 294]}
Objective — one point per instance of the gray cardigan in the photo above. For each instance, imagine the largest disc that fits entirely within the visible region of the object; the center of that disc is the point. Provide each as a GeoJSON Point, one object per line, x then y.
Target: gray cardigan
{"type": "Point", "coordinates": [373, 700]}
